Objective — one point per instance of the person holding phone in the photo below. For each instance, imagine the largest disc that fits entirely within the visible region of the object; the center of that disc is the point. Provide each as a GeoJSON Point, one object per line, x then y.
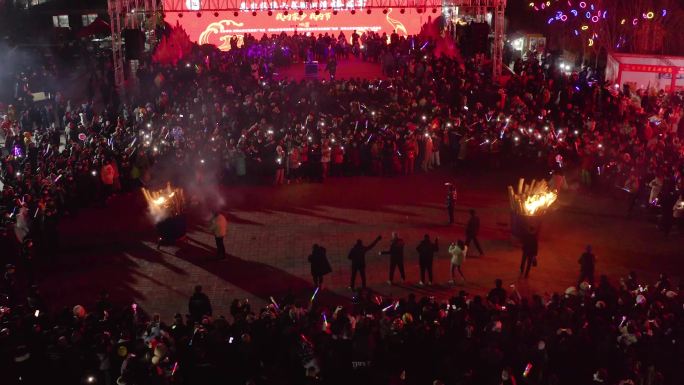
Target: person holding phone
{"type": "Point", "coordinates": [458, 253]}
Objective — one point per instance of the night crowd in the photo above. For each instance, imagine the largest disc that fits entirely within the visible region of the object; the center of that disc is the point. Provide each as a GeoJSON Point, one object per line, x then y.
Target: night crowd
{"type": "Point", "coordinates": [227, 117]}
{"type": "Point", "coordinates": [626, 333]}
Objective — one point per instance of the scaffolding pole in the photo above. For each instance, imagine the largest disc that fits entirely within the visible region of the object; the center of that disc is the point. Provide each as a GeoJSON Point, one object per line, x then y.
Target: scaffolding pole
{"type": "Point", "coordinates": [127, 14]}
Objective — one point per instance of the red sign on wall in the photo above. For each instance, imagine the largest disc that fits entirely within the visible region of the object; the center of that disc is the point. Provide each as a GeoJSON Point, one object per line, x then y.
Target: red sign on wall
{"type": "Point", "coordinates": [647, 68]}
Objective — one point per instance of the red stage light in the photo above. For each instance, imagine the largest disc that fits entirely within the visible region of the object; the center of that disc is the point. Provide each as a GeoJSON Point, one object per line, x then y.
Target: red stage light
{"type": "Point", "coordinates": [384, 11]}
{"type": "Point", "coordinates": [180, 15]}
{"type": "Point", "coordinates": [301, 13]}
{"type": "Point", "coordinates": [270, 13]}
{"type": "Point", "coordinates": [286, 13]}
{"type": "Point", "coordinates": [368, 11]}
{"type": "Point", "coordinates": [419, 10]}
{"type": "Point", "coordinates": [402, 11]}
{"type": "Point", "coordinates": [199, 14]}
{"type": "Point", "coordinates": [253, 13]}
{"type": "Point", "coordinates": [215, 14]}
{"type": "Point", "coordinates": [434, 10]}
{"type": "Point", "coordinates": [334, 12]}
{"type": "Point", "coordinates": [353, 12]}
{"type": "Point", "coordinates": [317, 12]}
{"type": "Point", "coordinates": [235, 14]}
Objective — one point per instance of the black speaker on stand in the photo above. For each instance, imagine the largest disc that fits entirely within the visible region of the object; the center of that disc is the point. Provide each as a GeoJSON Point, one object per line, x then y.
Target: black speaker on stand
{"type": "Point", "coordinates": [134, 43]}
{"type": "Point", "coordinates": [478, 38]}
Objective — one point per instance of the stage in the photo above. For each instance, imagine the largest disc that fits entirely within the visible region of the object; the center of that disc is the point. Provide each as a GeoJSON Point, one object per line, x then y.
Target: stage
{"type": "Point", "coordinates": [346, 69]}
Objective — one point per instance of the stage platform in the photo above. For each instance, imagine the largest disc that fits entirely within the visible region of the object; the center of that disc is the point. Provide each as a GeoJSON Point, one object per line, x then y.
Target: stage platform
{"type": "Point", "coordinates": [346, 69]}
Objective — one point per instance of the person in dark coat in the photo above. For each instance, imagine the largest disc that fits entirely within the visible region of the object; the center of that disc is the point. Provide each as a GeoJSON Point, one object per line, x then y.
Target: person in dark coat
{"type": "Point", "coordinates": [357, 255]}
{"type": "Point", "coordinates": [199, 304]}
{"type": "Point", "coordinates": [320, 265]}
{"type": "Point", "coordinates": [471, 231]}
{"type": "Point", "coordinates": [426, 253]}
{"type": "Point", "coordinates": [529, 252]}
{"type": "Point", "coordinates": [396, 253]}
{"type": "Point", "coordinates": [451, 201]}
{"type": "Point", "coordinates": [587, 262]}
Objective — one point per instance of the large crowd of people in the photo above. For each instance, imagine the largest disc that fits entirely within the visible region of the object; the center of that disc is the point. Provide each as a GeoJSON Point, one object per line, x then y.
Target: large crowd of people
{"type": "Point", "coordinates": [623, 334]}
{"type": "Point", "coordinates": [226, 117]}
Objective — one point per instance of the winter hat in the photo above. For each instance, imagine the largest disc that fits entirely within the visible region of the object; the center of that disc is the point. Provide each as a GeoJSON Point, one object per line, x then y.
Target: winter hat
{"type": "Point", "coordinates": [79, 311]}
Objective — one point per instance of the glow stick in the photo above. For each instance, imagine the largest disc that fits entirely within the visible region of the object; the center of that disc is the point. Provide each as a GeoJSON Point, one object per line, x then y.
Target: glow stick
{"type": "Point", "coordinates": [314, 294]}
{"type": "Point", "coordinates": [624, 318]}
{"type": "Point", "coordinates": [396, 305]}
{"type": "Point", "coordinates": [274, 303]}
{"type": "Point", "coordinates": [528, 368]}
{"type": "Point", "coordinates": [387, 308]}
{"type": "Point", "coordinates": [175, 367]}
{"type": "Point", "coordinates": [58, 178]}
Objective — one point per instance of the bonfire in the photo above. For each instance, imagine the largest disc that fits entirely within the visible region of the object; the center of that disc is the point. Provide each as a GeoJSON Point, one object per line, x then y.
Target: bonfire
{"type": "Point", "coordinates": [532, 199]}
{"type": "Point", "coordinates": [164, 203]}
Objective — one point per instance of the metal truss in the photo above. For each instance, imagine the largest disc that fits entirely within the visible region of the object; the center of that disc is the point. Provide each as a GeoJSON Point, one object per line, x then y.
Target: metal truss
{"type": "Point", "coordinates": [125, 14]}
{"type": "Point", "coordinates": [256, 5]}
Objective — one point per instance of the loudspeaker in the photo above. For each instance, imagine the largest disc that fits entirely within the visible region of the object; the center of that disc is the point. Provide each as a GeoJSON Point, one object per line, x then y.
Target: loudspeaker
{"type": "Point", "coordinates": [479, 37]}
{"type": "Point", "coordinates": [134, 40]}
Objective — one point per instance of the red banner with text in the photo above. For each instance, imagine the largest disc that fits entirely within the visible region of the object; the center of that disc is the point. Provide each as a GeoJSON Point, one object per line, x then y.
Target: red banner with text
{"type": "Point", "coordinates": [218, 30]}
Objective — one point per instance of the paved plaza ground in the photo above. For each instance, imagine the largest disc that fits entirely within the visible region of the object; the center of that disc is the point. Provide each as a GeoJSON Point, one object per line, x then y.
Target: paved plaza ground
{"type": "Point", "coordinates": [271, 230]}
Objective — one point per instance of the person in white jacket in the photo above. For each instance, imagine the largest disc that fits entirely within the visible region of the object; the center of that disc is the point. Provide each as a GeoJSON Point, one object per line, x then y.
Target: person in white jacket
{"type": "Point", "coordinates": [219, 226]}
{"type": "Point", "coordinates": [458, 253]}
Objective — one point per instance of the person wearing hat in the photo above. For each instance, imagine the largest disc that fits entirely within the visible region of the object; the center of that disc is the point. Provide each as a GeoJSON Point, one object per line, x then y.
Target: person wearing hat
{"type": "Point", "coordinates": [587, 262]}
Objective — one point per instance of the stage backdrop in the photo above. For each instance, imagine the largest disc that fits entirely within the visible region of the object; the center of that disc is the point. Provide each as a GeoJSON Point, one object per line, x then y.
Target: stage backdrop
{"type": "Point", "coordinates": [209, 29]}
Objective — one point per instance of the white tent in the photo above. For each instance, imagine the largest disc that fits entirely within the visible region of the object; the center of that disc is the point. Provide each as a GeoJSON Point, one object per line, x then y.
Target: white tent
{"type": "Point", "coordinates": [646, 71]}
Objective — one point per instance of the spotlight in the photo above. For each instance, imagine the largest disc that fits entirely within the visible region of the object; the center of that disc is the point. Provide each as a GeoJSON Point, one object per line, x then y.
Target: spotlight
{"type": "Point", "coordinates": [368, 11]}
{"type": "Point", "coordinates": [301, 13]}
{"type": "Point", "coordinates": [434, 10]}
{"type": "Point", "coordinates": [253, 13]}
{"type": "Point", "coordinates": [353, 12]}
{"type": "Point", "coordinates": [215, 14]}
{"type": "Point", "coordinates": [235, 14]}
{"type": "Point", "coordinates": [199, 14]}
{"type": "Point", "coordinates": [270, 13]}
{"type": "Point", "coordinates": [402, 11]}
{"type": "Point", "coordinates": [384, 11]}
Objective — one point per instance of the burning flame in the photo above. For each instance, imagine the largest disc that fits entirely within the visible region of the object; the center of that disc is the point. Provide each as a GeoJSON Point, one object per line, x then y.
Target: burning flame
{"type": "Point", "coordinates": [539, 202]}
{"type": "Point", "coordinates": [164, 203]}
{"type": "Point", "coordinates": [532, 199]}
